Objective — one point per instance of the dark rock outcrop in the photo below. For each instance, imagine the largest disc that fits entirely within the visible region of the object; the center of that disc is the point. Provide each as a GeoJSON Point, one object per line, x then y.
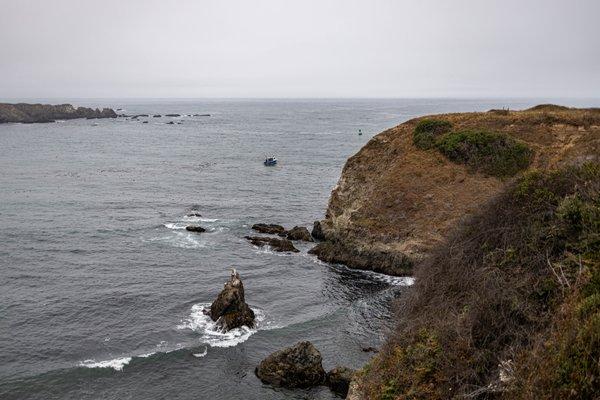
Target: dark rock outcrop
{"type": "Point", "coordinates": [271, 229]}
{"type": "Point", "coordinates": [299, 366]}
{"type": "Point", "coordinates": [172, 115]}
{"type": "Point", "coordinates": [338, 380]}
{"type": "Point", "coordinates": [31, 113]}
{"type": "Point", "coordinates": [355, 257]}
{"type": "Point", "coordinates": [194, 228]}
{"type": "Point", "coordinates": [156, 116]}
{"type": "Point", "coordinates": [279, 245]}
{"type": "Point", "coordinates": [193, 214]}
{"type": "Point", "coordinates": [317, 231]}
{"type": "Point", "coordinates": [170, 123]}
{"type": "Point", "coordinates": [299, 233]}
{"type": "Point", "coordinates": [230, 310]}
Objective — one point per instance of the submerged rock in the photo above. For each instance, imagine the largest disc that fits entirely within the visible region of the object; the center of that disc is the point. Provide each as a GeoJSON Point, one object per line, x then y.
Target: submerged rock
{"type": "Point", "coordinates": [156, 116]}
{"type": "Point", "coordinates": [230, 310]}
{"type": "Point", "coordinates": [272, 229]}
{"type": "Point", "coordinates": [299, 233]}
{"type": "Point", "coordinates": [338, 380]}
{"type": "Point", "coordinates": [172, 115]}
{"type": "Point", "coordinates": [297, 366]}
{"type": "Point", "coordinates": [194, 214]}
{"type": "Point", "coordinates": [170, 123]}
{"type": "Point", "coordinates": [195, 228]}
{"type": "Point", "coordinates": [279, 245]}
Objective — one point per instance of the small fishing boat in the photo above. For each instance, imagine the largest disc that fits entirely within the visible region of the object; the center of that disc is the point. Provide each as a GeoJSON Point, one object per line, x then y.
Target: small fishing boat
{"type": "Point", "coordinates": [269, 161]}
{"type": "Point", "coordinates": [360, 132]}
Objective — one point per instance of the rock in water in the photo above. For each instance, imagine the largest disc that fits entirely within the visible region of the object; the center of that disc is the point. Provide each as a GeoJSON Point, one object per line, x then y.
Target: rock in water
{"type": "Point", "coordinates": [279, 245]}
{"type": "Point", "coordinates": [297, 366]}
{"type": "Point", "coordinates": [299, 233]}
{"type": "Point", "coordinates": [338, 380]}
{"type": "Point", "coordinates": [194, 228]}
{"type": "Point", "coordinates": [230, 310]}
{"type": "Point", "coordinates": [271, 229]}
{"type": "Point", "coordinates": [317, 231]}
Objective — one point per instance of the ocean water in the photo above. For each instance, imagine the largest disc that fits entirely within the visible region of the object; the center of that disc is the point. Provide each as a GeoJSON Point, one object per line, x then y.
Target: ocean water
{"type": "Point", "coordinates": [102, 288]}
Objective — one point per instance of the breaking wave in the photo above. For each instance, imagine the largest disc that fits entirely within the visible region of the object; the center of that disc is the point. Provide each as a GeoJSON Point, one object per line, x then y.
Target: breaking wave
{"type": "Point", "coordinates": [211, 334]}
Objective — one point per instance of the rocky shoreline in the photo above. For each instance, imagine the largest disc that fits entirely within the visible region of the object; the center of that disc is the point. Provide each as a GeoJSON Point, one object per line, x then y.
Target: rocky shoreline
{"type": "Point", "coordinates": [39, 113]}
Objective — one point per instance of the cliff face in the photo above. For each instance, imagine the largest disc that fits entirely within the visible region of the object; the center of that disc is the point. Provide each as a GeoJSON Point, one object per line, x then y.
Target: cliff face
{"type": "Point", "coordinates": [30, 113]}
{"type": "Point", "coordinates": [394, 201]}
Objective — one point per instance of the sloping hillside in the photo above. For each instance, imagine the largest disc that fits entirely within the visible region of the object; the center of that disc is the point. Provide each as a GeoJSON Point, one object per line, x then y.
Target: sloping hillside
{"type": "Point", "coordinates": [509, 306]}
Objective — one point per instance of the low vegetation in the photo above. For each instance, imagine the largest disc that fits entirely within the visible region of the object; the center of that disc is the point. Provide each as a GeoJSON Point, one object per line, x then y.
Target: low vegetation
{"type": "Point", "coordinates": [492, 153]}
{"type": "Point", "coordinates": [488, 152]}
{"type": "Point", "coordinates": [428, 130]}
{"type": "Point", "coordinates": [509, 306]}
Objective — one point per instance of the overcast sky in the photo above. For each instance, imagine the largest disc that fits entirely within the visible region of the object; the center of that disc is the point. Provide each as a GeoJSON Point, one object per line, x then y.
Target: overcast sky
{"type": "Point", "coordinates": [282, 48]}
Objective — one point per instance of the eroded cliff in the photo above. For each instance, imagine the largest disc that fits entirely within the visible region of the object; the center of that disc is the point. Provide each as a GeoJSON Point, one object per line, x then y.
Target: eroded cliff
{"type": "Point", "coordinates": [395, 201]}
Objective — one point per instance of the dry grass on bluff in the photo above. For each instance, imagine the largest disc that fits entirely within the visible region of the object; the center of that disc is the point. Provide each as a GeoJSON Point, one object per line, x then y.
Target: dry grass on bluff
{"type": "Point", "coordinates": [509, 306]}
{"type": "Point", "coordinates": [403, 194]}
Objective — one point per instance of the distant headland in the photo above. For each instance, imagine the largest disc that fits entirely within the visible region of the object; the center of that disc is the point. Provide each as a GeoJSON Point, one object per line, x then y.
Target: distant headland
{"type": "Point", "coordinates": [32, 113]}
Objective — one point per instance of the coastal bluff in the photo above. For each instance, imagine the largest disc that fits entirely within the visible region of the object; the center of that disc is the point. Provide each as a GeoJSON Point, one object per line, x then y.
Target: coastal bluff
{"type": "Point", "coordinates": [33, 113]}
{"type": "Point", "coordinates": [397, 198]}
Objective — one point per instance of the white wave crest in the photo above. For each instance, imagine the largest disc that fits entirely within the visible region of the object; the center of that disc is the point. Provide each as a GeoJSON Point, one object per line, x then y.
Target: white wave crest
{"type": "Point", "coordinates": [200, 355]}
{"type": "Point", "coordinates": [211, 334]}
{"type": "Point", "coordinates": [198, 219]}
{"type": "Point", "coordinates": [175, 225]}
{"type": "Point", "coordinates": [117, 364]}
{"type": "Point", "coordinates": [392, 280]}
{"type": "Point", "coordinates": [182, 239]}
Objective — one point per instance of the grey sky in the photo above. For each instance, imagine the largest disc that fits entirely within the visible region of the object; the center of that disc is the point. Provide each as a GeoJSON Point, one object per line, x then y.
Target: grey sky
{"type": "Point", "coordinates": [345, 48]}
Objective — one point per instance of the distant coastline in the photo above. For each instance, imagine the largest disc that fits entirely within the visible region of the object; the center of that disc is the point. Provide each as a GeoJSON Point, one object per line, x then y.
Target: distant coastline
{"type": "Point", "coordinates": [37, 113]}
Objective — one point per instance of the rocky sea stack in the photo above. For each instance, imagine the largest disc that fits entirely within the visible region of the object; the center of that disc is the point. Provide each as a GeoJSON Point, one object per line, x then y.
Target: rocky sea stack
{"type": "Point", "coordinates": [230, 310]}
{"type": "Point", "coordinates": [31, 113]}
{"type": "Point", "coordinates": [299, 366]}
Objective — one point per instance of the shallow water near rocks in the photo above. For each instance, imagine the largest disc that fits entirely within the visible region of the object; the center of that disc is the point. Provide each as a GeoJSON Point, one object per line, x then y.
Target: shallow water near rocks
{"type": "Point", "coordinates": [102, 287]}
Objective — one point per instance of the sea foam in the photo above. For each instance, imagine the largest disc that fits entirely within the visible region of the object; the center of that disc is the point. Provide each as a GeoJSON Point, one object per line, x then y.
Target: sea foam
{"type": "Point", "coordinates": [211, 334]}
{"type": "Point", "coordinates": [117, 364]}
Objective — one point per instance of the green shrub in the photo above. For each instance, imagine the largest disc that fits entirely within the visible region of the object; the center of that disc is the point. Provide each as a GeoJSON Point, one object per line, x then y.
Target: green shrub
{"type": "Point", "coordinates": [518, 281]}
{"type": "Point", "coordinates": [493, 153]}
{"type": "Point", "coordinates": [428, 130]}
